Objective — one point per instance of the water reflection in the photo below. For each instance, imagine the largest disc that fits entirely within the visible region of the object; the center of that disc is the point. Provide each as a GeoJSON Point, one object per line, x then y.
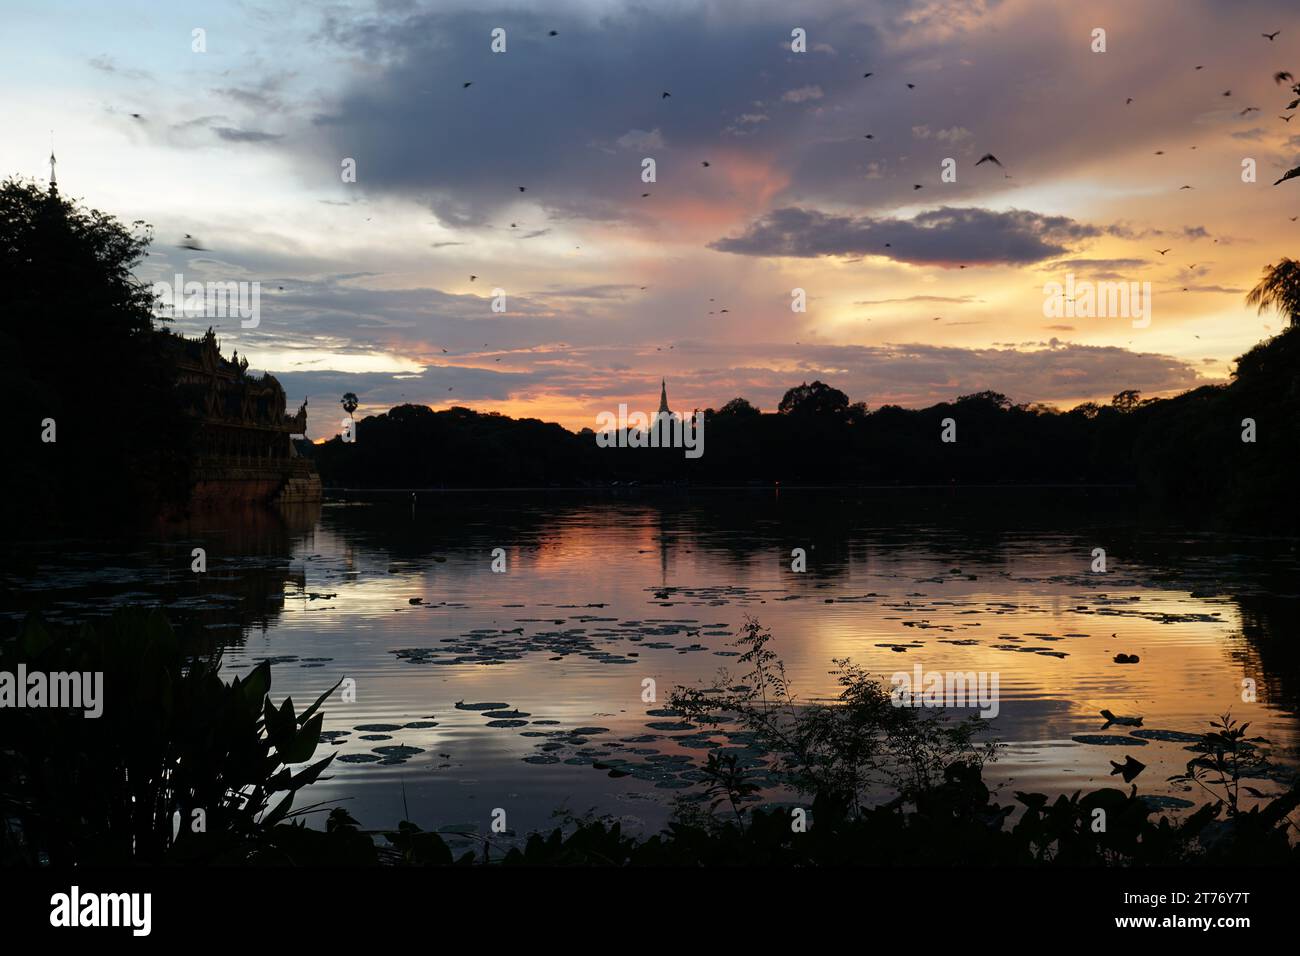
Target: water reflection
{"type": "Point", "coordinates": [603, 592]}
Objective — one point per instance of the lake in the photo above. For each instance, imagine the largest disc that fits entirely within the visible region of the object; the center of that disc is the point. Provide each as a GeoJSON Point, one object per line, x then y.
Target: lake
{"type": "Point", "coordinates": [604, 590]}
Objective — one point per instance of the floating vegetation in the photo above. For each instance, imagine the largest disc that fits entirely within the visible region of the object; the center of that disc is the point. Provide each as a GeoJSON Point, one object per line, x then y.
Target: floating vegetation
{"type": "Point", "coordinates": [1169, 736]}
{"type": "Point", "coordinates": [1156, 802]}
{"type": "Point", "coordinates": [1109, 740]}
{"type": "Point", "coordinates": [399, 750]}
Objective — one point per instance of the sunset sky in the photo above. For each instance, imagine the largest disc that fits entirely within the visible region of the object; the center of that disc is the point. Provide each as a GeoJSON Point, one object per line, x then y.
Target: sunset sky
{"type": "Point", "coordinates": [366, 285]}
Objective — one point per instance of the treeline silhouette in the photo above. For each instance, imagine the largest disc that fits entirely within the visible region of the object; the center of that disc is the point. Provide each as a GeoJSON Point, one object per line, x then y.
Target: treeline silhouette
{"type": "Point", "coordinates": [78, 349]}
{"type": "Point", "coordinates": [83, 366]}
{"type": "Point", "coordinates": [1186, 452]}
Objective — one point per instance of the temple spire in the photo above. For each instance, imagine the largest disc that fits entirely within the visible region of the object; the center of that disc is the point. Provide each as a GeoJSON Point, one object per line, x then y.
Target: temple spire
{"type": "Point", "coordinates": [663, 397]}
{"type": "Point", "coordinates": [54, 182]}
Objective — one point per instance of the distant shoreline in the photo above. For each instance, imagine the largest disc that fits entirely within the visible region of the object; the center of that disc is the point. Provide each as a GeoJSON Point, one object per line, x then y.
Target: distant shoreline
{"type": "Point", "coordinates": [1130, 486]}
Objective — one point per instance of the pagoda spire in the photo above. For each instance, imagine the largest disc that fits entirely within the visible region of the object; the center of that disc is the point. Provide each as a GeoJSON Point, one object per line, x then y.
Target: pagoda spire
{"type": "Point", "coordinates": [663, 397]}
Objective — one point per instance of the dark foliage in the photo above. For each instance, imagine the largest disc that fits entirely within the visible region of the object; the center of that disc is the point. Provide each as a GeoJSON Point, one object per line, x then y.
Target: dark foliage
{"type": "Point", "coordinates": [173, 739]}
{"type": "Point", "coordinates": [77, 346]}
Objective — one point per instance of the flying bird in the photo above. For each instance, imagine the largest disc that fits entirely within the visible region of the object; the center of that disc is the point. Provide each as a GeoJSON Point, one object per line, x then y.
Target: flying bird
{"type": "Point", "coordinates": [865, 75]}
{"type": "Point", "coordinates": [1186, 187]}
{"type": "Point", "coordinates": [1282, 76]}
{"type": "Point", "coordinates": [1290, 174]}
{"type": "Point", "coordinates": [645, 195]}
{"type": "Point", "coordinates": [1270, 37]}
{"type": "Point", "coordinates": [1227, 92]}
{"type": "Point", "coordinates": [911, 86]}
{"type": "Point", "coordinates": [465, 86]}
{"type": "Point", "coordinates": [554, 33]}
{"type": "Point", "coordinates": [1286, 119]}
{"type": "Point", "coordinates": [665, 96]}
{"type": "Point", "coordinates": [1200, 67]}
{"type": "Point", "coordinates": [189, 242]}
{"type": "Point", "coordinates": [1163, 251]}
{"type": "Point", "coordinates": [704, 162]}
{"type": "Point", "coordinates": [472, 278]}
{"type": "Point", "coordinates": [916, 186]}
{"type": "Point", "coordinates": [523, 189]}
{"type": "Point", "coordinates": [1128, 101]}
{"type": "Point", "coordinates": [868, 136]}
{"type": "Point", "coordinates": [1249, 109]}
{"type": "Point", "coordinates": [988, 158]}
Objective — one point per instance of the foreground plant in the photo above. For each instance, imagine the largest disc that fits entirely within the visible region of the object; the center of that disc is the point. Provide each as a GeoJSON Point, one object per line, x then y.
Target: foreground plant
{"type": "Point", "coordinates": [844, 751]}
{"type": "Point", "coordinates": [180, 765]}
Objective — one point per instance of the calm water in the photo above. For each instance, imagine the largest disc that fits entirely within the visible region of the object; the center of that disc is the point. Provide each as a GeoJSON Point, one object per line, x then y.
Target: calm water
{"type": "Point", "coordinates": [604, 591]}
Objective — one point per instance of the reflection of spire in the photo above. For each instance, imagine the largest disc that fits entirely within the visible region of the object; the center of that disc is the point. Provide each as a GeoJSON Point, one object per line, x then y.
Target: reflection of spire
{"type": "Point", "coordinates": [663, 549]}
{"type": "Point", "coordinates": [663, 397]}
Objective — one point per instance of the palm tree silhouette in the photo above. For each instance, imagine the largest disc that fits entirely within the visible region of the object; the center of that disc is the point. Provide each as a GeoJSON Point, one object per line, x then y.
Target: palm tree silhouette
{"type": "Point", "coordinates": [349, 402]}
{"type": "Point", "coordinates": [1279, 288]}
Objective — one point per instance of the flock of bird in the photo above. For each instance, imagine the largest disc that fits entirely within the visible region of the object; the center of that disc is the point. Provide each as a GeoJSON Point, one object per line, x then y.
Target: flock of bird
{"type": "Point", "coordinates": [1280, 77]}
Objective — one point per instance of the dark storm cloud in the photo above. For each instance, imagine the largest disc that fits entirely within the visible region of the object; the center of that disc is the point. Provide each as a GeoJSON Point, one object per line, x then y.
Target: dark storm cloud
{"type": "Point", "coordinates": [570, 117]}
{"type": "Point", "coordinates": [935, 237]}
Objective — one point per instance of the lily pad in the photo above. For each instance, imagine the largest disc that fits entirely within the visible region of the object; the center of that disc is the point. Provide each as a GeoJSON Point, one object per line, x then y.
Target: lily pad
{"type": "Point", "coordinates": [399, 750]}
{"type": "Point", "coordinates": [1170, 736]}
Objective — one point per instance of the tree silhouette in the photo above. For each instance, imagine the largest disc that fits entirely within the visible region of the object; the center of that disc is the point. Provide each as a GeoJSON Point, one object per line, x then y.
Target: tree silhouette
{"type": "Point", "coordinates": [738, 408]}
{"type": "Point", "coordinates": [349, 402]}
{"type": "Point", "coordinates": [1279, 288]}
{"type": "Point", "coordinates": [78, 345]}
{"type": "Point", "coordinates": [1127, 400]}
{"type": "Point", "coordinates": [816, 399]}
